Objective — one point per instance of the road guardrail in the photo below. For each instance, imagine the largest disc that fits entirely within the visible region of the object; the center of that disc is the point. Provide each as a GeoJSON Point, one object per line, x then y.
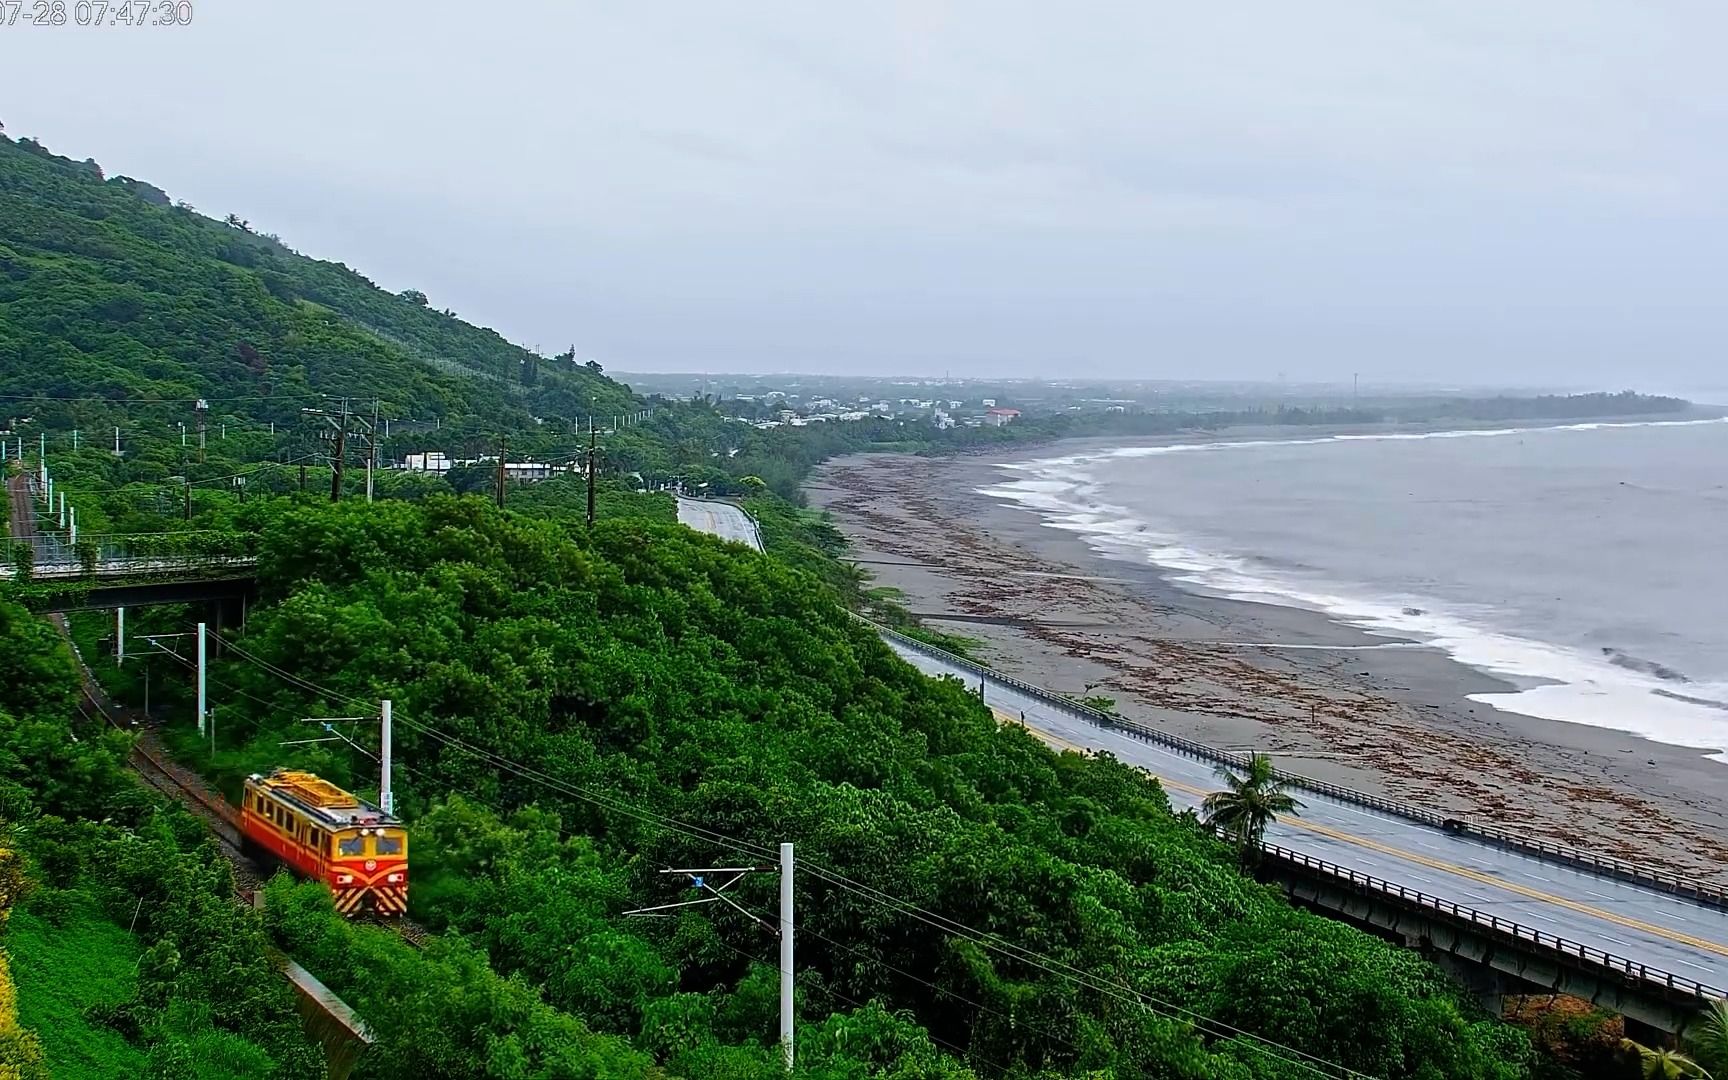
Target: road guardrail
{"type": "Point", "coordinates": [1642, 973]}
{"type": "Point", "coordinates": [1497, 835]}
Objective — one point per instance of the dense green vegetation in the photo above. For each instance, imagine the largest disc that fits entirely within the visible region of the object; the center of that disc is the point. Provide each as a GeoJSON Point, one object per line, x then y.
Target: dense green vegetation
{"type": "Point", "coordinates": [109, 293]}
{"type": "Point", "coordinates": [565, 699]}
{"type": "Point", "coordinates": [83, 962]}
{"type": "Point", "coordinates": [202, 998]}
{"type": "Point", "coordinates": [648, 675]}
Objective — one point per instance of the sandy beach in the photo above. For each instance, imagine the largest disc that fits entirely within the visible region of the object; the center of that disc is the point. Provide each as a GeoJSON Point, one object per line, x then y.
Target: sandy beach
{"type": "Point", "coordinates": [1326, 700]}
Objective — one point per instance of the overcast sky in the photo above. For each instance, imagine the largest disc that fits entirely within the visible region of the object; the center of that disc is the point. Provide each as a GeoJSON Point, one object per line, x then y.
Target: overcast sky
{"type": "Point", "coordinates": [1471, 190]}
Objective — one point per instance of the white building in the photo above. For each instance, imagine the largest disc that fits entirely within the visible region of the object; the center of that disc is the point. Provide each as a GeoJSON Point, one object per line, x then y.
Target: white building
{"type": "Point", "coordinates": [432, 461]}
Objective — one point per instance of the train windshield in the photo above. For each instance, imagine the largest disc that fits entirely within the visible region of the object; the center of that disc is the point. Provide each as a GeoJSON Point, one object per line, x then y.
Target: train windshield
{"type": "Point", "coordinates": [389, 845]}
{"type": "Point", "coordinates": [352, 845]}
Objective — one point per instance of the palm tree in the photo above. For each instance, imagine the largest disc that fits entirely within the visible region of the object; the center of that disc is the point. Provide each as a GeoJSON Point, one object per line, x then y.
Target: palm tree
{"type": "Point", "coordinates": [1711, 1038]}
{"type": "Point", "coordinates": [1249, 803]}
{"type": "Point", "coordinates": [1657, 1064]}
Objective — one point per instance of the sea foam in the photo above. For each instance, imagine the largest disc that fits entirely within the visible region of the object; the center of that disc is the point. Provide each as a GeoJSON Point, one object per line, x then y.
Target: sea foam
{"type": "Point", "coordinates": [1553, 682]}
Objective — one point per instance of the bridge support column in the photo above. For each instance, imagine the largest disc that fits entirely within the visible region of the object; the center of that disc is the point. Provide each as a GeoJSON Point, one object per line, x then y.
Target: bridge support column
{"type": "Point", "coordinates": [1648, 1034]}
{"type": "Point", "coordinates": [224, 613]}
{"type": "Point", "coordinates": [1485, 984]}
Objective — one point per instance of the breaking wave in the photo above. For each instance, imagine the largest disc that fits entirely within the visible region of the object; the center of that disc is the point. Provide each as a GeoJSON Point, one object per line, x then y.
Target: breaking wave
{"type": "Point", "coordinates": [1608, 688]}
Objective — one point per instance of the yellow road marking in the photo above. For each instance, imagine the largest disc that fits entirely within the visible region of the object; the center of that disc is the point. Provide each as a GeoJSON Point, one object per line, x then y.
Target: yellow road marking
{"type": "Point", "coordinates": [1422, 860]}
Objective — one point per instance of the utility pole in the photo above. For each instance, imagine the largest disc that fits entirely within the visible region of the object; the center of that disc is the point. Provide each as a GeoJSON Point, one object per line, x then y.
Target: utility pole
{"type": "Point", "coordinates": [786, 928]}
{"type": "Point", "coordinates": [498, 484]}
{"type": "Point", "coordinates": [372, 448]}
{"type": "Point", "coordinates": [187, 515]}
{"type": "Point", "coordinates": [203, 655]}
{"type": "Point", "coordinates": [74, 439]}
{"type": "Point", "coordinates": [590, 470]}
{"type": "Point", "coordinates": [336, 459]}
{"type": "Point", "coordinates": [302, 477]}
{"type": "Point", "coordinates": [386, 796]}
{"type": "Point", "coordinates": [116, 442]}
{"type": "Point", "coordinates": [119, 636]}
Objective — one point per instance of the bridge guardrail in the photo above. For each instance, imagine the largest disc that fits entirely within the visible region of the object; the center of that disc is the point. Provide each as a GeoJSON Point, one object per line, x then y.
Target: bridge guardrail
{"type": "Point", "coordinates": [1496, 835]}
{"type": "Point", "coordinates": [1565, 946]}
{"type": "Point", "coordinates": [131, 567]}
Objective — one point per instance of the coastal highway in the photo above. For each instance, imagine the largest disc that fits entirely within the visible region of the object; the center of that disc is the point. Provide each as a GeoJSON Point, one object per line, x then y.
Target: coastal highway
{"type": "Point", "coordinates": [722, 519]}
{"type": "Point", "coordinates": [1641, 924]}
{"type": "Point", "coordinates": [1638, 923]}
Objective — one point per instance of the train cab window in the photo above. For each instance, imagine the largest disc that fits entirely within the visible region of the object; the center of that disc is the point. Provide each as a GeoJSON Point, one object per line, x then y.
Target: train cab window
{"type": "Point", "coordinates": [389, 845]}
{"type": "Point", "coordinates": [352, 845]}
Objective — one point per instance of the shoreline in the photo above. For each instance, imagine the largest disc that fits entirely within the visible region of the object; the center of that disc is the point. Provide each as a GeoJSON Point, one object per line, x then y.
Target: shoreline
{"type": "Point", "coordinates": [1387, 716]}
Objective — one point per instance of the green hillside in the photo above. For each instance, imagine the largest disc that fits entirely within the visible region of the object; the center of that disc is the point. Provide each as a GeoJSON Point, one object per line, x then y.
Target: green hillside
{"type": "Point", "coordinates": [109, 289]}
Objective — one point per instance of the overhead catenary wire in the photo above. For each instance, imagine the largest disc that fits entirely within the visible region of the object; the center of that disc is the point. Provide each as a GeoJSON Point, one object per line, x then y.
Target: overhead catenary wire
{"type": "Point", "coordinates": [1020, 954]}
{"type": "Point", "coordinates": [1216, 1028]}
{"type": "Point", "coordinates": [971, 1057]}
{"type": "Point", "coordinates": [257, 468]}
{"type": "Point", "coordinates": [958, 1051]}
{"type": "Point", "coordinates": [1060, 968]}
{"type": "Point", "coordinates": [96, 399]}
{"type": "Point", "coordinates": [305, 684]}
{"type": "Point", "coordinates": [805, 930]}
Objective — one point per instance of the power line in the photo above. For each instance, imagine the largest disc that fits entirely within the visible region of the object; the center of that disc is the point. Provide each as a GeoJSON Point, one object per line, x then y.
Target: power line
{"type": "Point", "coordinates": [993, 942]}
{"type": "Point", "coordinates": [939, 922]}
{"type": "Point", "coordinates": [963, 999]}
{"type": "Point", "coordinates": [1062, 969]}
{"type": "Point", "coordinates": [100, 400]}
{"type": "Point", "coordinates": [304, 684]}
{"type": "Point", "coordinates": [971, 1057]}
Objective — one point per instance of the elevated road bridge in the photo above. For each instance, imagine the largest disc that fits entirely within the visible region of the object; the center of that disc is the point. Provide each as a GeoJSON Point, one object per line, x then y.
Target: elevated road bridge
{"type": "Point", "coordinates": [1515, 913]}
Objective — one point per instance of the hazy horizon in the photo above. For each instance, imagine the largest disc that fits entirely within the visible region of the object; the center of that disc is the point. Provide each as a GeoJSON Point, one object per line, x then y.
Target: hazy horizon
{"type": "Point", "coordinates": [1447, 196]}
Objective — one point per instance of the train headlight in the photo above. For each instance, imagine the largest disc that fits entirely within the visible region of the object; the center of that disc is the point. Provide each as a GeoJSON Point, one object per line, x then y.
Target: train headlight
{"type": "Point", "coordinates": [344, 879]}
{"type": "Point", "coordinates": [393, 878]}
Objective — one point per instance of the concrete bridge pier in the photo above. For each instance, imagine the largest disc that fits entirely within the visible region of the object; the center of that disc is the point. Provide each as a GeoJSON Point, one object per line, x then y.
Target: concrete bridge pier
{"type": "Point", "coordinates": [222, 614]}
{"type": "Point", "coordinates": [1486, 984]}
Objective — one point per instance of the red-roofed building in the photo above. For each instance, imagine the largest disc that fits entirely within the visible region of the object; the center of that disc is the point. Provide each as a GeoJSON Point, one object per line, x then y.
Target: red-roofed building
{"type": "Point", "coordinates": [999, 417]}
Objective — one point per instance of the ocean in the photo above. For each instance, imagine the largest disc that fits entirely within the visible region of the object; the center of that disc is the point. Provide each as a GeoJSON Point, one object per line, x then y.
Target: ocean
{"type": "Point", "coordinates": [1585, 565]}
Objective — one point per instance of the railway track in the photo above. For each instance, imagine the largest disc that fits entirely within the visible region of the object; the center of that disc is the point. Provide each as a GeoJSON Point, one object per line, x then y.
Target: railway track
{"type": "Point", "coordinates": [156, 768]}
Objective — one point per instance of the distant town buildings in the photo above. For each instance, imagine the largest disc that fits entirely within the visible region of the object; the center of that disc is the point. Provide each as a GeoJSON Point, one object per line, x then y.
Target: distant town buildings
{"type": "Point", "coordinates": [439, 463]}
{"type": "Point", "coordinates": [1001, 417]}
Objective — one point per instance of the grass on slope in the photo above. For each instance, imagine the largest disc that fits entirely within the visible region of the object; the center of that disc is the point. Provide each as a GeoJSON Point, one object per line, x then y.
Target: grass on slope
{"type": "Point", "coordinates": [61, 971]}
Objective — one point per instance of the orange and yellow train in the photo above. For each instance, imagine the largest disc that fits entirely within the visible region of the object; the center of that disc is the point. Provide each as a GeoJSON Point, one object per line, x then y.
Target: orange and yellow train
{"type": "Point", "coordinates": [327, 834]}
